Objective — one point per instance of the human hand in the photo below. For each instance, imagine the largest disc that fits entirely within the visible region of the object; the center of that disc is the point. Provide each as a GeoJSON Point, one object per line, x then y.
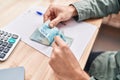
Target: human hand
{"type": "Point", "coordinates": [64, 63]}
{"type": "Point", "coordinates": [58, 13]}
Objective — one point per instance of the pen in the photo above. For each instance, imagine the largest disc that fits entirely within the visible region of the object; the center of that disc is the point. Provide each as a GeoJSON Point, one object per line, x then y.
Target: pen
{"type": "Point", "coordinates": [39, 13]}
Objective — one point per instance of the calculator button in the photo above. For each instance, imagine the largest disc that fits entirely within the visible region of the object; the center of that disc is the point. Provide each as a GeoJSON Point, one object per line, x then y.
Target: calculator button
{"type": "Point", "coordinates": [2, 37]}
{"type": "Point", "coordinates": [15, 36]}
{"type": "Point", "coordinates": [1, 48]}
{"type": "Point", "coordinates": [1, 32]}
{"type": "Point", "coordinates": [5, 33]}
{"type": "Point", "coordinates": [11, 40]}
{"type": "Point", "coordinates": [2, 55]}
{"type": "Point", "coordinates": [4, 44]}
{"type": "Point", "coordinates": [6, 50]}
{"type": "Point", "coordinates": [9, 34]}
{"type": "Point", "coordinates": [1, 42]}
{"type": "Point", "coordinates": [5, 38]}
{"type": "Point", "coordinates": [9, 45]}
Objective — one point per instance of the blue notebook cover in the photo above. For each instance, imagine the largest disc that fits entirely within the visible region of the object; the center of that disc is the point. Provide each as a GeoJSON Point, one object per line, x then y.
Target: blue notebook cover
{"type": "Point", "coordinates": [12, 73]}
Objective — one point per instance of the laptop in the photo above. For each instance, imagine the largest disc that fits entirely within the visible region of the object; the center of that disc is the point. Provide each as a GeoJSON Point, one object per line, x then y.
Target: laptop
{"type": "Point", "coordinates": [12, 73]}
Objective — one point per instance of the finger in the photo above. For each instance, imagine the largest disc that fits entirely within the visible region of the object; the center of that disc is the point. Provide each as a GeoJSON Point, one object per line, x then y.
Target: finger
{"type": "Point", "coordinates": [52, 16]}
{"type": "Point", "coordinates": [54, 45]}
{"type": "Point", "coordinates": [59, 41]}
{"type": "Point", "coordinates": [46, 15]}
{"type": "Point", "coordinates": [55, 21]}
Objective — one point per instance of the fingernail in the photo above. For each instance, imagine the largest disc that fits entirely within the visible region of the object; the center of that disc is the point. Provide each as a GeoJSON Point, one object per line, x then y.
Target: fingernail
{"type": "Point", "coordinates": [51, 25]}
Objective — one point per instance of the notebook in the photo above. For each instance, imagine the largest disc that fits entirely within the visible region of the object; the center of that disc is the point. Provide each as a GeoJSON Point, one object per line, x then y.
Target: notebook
{"type": "Point", "coordinates": [12, 73]}
{"type": "Point", "coordinates": [29, 21]}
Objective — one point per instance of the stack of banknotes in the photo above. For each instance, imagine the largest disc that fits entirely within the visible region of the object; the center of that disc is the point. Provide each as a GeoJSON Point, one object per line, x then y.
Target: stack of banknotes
{"type": "Point", "coordinates": [45, 35]}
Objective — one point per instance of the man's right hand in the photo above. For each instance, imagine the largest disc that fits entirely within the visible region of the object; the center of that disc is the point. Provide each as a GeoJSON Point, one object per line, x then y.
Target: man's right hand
{"type": "Point", "coordinates": [57, 13]}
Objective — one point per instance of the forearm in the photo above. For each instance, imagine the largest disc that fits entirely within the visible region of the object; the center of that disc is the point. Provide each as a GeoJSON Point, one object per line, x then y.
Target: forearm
{"type": "Point", "coordinates": [95, 8]}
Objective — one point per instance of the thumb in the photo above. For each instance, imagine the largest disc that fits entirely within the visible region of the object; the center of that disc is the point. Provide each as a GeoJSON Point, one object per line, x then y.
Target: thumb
{"type": "Point", "coordinates": [55, 21]}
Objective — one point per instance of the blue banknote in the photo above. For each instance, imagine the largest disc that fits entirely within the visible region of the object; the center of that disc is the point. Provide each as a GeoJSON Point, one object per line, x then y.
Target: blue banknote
{"type": "Point", "coordinates": [45, 35]}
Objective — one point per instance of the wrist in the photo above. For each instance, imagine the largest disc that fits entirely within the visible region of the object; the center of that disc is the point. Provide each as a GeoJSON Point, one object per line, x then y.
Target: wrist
{"type": "Point", "coordinates": [73, 10]}
{"type": "Point", "coordinates": [82, 75]}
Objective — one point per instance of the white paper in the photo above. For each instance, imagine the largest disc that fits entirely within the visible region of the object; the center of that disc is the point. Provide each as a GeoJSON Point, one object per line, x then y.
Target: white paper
{"type": "Point", "coordinates": [25, 24]}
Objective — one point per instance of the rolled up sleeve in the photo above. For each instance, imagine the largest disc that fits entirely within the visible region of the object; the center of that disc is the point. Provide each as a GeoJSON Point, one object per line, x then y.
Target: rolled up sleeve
{"type": "Point", "coordinates": [92, 78]}
{"type": "Point", "coordinates": [95, 8]}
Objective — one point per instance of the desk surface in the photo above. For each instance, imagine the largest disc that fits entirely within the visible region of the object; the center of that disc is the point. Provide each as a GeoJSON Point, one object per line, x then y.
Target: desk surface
{"type": "Point", "coordinates": [35, 64]}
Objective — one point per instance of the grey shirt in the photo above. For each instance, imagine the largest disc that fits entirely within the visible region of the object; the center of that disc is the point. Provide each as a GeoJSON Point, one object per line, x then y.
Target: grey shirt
{"type": "Point", "coordinates": [95, 8]}
{"type": "Point", "coordinates": [104, 67]}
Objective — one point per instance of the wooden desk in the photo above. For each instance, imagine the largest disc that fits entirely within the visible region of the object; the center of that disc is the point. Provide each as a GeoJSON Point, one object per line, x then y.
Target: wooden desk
{"type": "Point", "coordinates": [35, 64]}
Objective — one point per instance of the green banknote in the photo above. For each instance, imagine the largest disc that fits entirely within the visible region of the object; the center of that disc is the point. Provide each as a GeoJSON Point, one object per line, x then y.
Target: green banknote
{"type": "Point", "coordinates": [45, 35]}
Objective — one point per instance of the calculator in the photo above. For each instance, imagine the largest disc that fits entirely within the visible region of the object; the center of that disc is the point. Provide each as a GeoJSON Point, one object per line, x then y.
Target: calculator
{"type": "Point", "coordinates": [8, 41]}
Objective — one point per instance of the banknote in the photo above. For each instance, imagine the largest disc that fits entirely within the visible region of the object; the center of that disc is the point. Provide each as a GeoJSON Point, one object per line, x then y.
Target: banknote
{"type": "Point", "coordinates": [45, 35]}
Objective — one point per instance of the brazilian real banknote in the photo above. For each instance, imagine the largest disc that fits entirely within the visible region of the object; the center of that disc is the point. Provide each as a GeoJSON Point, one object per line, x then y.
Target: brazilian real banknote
{"type": "Point", "coordinates": [45, 35]}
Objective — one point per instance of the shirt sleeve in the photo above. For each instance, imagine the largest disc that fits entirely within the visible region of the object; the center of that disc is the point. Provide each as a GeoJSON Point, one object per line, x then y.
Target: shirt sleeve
{"type": "Point", "coordinates": [95, 8]}
{"type": "Point", "coordinates": [92, 78]}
